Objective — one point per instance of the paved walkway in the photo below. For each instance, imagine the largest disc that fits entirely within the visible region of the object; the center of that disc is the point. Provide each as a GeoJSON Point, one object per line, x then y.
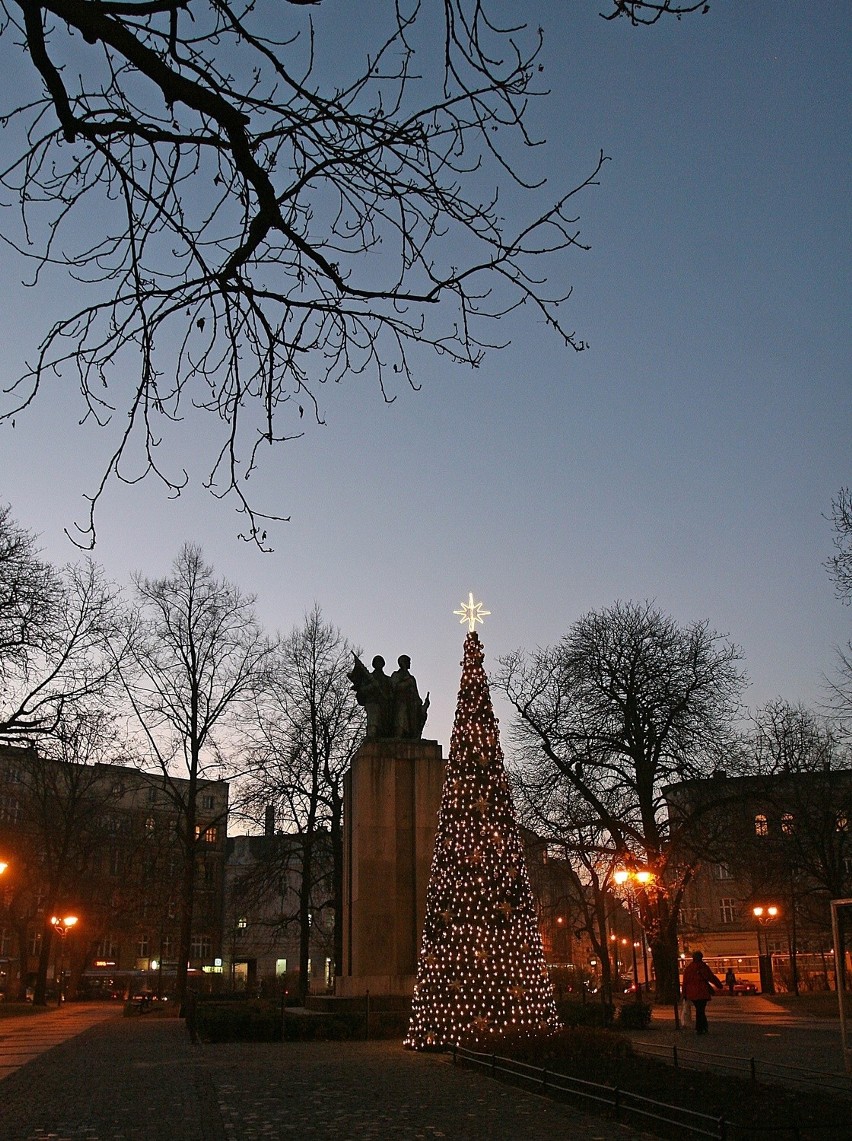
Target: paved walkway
{"type": "Point", "coordinates": [84, 1073]}
{"type": "Point", "coordinates": [753, 1027]}
{"type": "Point", "coordinates": [27, 1036]}
{"type": "Point", "coordinates": [139, 1079]}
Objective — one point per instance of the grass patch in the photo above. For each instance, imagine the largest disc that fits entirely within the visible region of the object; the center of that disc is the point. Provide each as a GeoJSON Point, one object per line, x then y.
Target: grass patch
{"type": "Point", "coordinates": [814, 1004]}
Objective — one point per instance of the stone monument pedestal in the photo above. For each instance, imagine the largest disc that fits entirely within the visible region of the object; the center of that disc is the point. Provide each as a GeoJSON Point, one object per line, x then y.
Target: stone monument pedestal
{"type": "Point", "coordinates": [392, 795]}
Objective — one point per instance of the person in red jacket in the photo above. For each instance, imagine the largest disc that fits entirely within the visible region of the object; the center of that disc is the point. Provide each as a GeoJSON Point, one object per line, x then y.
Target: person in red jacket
{"type": "Point", "coordinates": [698, 980]}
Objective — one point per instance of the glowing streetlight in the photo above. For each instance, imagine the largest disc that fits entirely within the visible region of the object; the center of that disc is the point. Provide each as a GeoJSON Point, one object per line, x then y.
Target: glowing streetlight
{"type": "Point", "coordinates": [643, 877]}
{"type": "Point", "coordinates": [764, 916]}
{"type": "Point", "coordinates": [62, 926]}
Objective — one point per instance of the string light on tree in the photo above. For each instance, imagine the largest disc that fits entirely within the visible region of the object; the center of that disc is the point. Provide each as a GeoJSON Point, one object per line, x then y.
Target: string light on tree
{"type": "Point", "coordinates": [481, 972]}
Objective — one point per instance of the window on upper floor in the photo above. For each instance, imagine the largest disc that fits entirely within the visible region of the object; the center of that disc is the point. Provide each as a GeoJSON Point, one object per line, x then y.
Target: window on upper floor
{"type": "Point", "coordinates": [722, 872]}
{"type": "Point", "coordinates": [727, 910]}
{"type": "Point", "coordinates": [207, 801]}
{"type": "Point", "coordinates": [10, 810]}
{"type": "Point", "coordinates": [201, 947]}
{"type": "Point", "coordinates": [842, 822]}
{"type": "Point", "coordinates": [788, 824]}
{"type": "Point", "coordinates": [761, 825]}
{"type": "Point", "coordinates": [207, 833]}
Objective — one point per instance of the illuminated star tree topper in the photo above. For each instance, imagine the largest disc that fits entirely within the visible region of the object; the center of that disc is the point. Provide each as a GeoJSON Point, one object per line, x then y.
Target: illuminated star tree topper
{"type": "Point", "coordinates": [471, 612]}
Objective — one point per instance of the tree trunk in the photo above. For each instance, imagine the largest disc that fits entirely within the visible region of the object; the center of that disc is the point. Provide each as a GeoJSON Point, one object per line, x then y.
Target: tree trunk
{"type": "Point", "coordinates": [664, 955]}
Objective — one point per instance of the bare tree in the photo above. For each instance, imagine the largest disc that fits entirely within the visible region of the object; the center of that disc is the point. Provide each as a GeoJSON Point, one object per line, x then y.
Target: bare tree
{"type": "Point", "coordinates": [807, 796]}
{"type": "Point", "coordinates": [839, 567]}
{"type": "Point", "coordinates": [198, 657]}
{"type": "Point", "coordinates": [551, 808]}
{"type": "Point", "coordinates": [55, 629]}
{"type": "Point", "coordinates": [268, 221]}
{"type": "Point", "coordinates": [308, 727]}
{"type": "Point", "coordinates": [625, 704]}
{"type": "Point", "coordinates": [56, 824]}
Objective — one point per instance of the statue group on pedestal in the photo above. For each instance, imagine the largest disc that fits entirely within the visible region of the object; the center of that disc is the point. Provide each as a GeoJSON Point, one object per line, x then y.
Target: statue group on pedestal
{"type": "Point", "coordinates": [392, 703]}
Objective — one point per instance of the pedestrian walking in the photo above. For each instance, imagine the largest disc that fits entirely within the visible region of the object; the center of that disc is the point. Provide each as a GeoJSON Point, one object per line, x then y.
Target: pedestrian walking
{"type": "Point", "coordinates": [698, 981]}
{"type": "Point", "coordinates": [730, 980]}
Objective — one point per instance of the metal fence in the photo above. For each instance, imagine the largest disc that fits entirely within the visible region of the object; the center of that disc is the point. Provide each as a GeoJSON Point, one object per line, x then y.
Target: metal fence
{"type": "Point", "coordinates": [621, 1103]}
{"type": "Point", "coordinates": [757, 1070]}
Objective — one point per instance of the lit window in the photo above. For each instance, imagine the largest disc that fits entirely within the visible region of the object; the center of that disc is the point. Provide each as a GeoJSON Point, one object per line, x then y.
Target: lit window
{"type": "Point", "coordinates": [150, 825]}
{"type": "Point", "coordinates": [788, 824]}
{"type": "Point", "coordinates": [842, 822]}
{"type": "Point", "coordinates": [727, 910]}
{"type": "Point", "coordinates": [280, 967]}
{"type": "Point", "coordinates": [761, 825]}
{"type": "Point", "coordinates": [207, 833]}
{"type": "Point", "coordinates": [242, 923]}
{"type": "Point", "coordinates": [142, 947]}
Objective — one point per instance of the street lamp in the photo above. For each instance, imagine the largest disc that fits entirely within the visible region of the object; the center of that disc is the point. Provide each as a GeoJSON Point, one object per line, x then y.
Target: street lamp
{"type": "Point", "coordinates": [764, 916]}
{"type": "Point", "coordinates": [643, 877]}
{"type": "Point", "coordinates": [62, 927]}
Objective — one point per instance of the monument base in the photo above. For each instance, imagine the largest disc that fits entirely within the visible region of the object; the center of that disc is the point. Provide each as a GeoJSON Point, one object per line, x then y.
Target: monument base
{"type": "Point", "coordinates": [358, 986]}
{"type": "Point", "coordinates": [392, 795]}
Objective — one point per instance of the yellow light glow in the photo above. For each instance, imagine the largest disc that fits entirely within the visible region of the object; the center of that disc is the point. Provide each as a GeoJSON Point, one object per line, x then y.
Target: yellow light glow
{"type": "Point", "coordinates": [620, 876]}
{"type": "Point", "coordinates": [471, 612]}
{"type": "Point", "coordinates": [644, 877]}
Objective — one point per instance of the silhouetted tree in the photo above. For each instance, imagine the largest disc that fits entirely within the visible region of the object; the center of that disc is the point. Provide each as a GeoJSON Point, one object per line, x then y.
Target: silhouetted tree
{"type": "Point", "coordinates": [196, 659]}
{"type": "Point", "coordinates": [271, 213]}
{"type": "Point", "coordinates": [627, 703]}
{"type": "Point", "coordinates": [55, 631]}
{"type": "Point", "coordinates": [308, 726]}
{"type": "Point", "coordinates": [839, 566]}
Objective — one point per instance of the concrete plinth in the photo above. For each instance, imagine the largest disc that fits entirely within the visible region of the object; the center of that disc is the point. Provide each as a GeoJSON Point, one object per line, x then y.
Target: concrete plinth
{"type": "Point", "coordinates": [392, 795]}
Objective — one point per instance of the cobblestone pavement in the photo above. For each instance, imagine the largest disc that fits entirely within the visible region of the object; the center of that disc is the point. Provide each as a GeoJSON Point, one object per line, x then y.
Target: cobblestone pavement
{"type": "Point", "coordinates": [140, 1079]}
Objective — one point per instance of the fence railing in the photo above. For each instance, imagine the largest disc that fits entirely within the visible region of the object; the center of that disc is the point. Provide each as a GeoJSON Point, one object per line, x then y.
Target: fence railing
{"type": "Point", "coordinates": [622, 1102]}
{"type": "Point", "coordinates": [756, 1069]}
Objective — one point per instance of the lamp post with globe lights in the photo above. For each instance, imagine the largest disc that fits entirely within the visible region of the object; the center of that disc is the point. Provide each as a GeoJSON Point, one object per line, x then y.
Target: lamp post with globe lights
{"type": "Point", "coordinates": [62, 926]}
{"type": "Point", "coordinates": [764, 915]}
{"type": "Point", "coordinates": [626, 878]}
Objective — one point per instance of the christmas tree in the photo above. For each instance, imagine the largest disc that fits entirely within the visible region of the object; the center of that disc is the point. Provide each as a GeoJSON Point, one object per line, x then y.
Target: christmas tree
{"type": "Point", "coordinates": [481, 971]}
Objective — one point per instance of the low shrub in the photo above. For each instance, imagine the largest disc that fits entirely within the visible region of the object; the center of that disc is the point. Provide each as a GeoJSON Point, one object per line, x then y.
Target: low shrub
{"type": "Point", "coordinates": [634, 1016]}
{"type": "Point", "coordinates": [573, 1013]}
{"type": "Point", "coordinates": [581, 1044]}
{"type": "Point", "coordinates": [252, 1021]}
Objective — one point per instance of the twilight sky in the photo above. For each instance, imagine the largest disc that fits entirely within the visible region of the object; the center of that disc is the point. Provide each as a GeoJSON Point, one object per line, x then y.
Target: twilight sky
{"type": "Point", "coordinates": [688, 456]}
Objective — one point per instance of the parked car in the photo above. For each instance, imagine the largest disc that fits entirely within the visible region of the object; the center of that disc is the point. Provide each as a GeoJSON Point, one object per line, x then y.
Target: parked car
{"type": "Point", "coordinates": [745, 988]}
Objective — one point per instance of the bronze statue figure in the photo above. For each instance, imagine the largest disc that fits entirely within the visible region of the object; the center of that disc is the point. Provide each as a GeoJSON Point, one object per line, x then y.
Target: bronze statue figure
{"type": "Point", "coordinates": [392, 704]}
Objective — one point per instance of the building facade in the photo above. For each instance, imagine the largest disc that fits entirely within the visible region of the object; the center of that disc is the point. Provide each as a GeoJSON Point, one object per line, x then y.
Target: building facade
{"type": "Point", "coordinates": [776, 849]}
{"type": "Point", "coordinates": [106, 844]}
